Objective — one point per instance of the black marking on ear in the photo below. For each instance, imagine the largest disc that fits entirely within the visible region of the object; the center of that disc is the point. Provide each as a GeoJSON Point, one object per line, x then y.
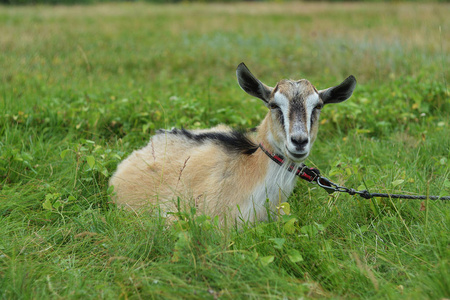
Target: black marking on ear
{"type": "Point", "coordinates": [339, 93]}
{"type": "Point", "coordinates": [250, 84]}
{"type": "Point", "coordinates": [236, 141]}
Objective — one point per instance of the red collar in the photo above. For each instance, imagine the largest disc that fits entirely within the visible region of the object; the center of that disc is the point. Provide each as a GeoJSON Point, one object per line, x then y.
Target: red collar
{"type": "Point", "coordinates": [309, 174]}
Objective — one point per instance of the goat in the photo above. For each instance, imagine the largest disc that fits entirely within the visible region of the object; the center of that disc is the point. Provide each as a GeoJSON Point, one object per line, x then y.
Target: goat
{"type": "Point", "coordinates": [225, 171]}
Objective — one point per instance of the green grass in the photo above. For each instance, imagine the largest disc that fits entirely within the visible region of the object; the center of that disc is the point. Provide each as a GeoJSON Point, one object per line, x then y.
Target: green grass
{"type": "Point", "coordinates": [84, 86]}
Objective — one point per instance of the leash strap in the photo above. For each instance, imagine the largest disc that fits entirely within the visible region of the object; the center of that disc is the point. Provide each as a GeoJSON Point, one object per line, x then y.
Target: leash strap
{"type": "Point", "coordinates": [308, 174]}
{"type": "Point", "coordinates": [332, 187]}
{"type": "Point", "coordinates": [312, 175]}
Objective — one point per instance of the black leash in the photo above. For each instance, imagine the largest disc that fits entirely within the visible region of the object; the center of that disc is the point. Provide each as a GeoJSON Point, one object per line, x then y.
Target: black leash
{"type": "Point", "coordinates": [332, 187]}
{"type": "Point", "coordinates": [313, 175]}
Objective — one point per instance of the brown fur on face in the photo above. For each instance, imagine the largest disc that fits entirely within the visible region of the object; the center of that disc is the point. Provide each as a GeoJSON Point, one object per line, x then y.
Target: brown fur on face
{"type": "Point", "coordinates": [298, 92]}
{"type": "Point", "coordinates": [295, 108]}
{"type": "Point", "coordinates": [295, 90]}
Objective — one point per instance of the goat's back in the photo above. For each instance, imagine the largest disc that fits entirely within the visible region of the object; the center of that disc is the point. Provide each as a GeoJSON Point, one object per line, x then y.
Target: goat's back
{"type": "Point", "coordinates": [214, 169]}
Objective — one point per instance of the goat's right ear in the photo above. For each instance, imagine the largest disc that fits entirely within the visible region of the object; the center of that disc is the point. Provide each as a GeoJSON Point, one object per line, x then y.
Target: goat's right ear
{"type": "Point", "coordinates": [340, 92]}
{"type": "Point", "coordinates": [251, 85]}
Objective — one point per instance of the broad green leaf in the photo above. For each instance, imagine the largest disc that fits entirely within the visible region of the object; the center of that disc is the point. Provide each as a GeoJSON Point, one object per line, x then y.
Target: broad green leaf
{"type": "Point", "coordinates": [64, 153]}
{"type": "Point", "coordinates": [278, 242]}
{"type": "Point", "coordinates": [183, 240]}
{"type": "Point", "coordinates": [105, 172]}
{"type": "Point", "coordinates": [91, 161]}
{"type": "Point", "coordinates": [295, 256]}
{"type": "Point", "coordinates": [265, 260]}
{"type": "Point", "coordinates": [145, 127]}
{"type": "Point", "coordinates": [200, 219]}
{"type": "Point", "coordinates": [47, 204]}
{"type": "Point", "coordinates": [110, 190]}
{"type": "Point", "coordinates": [320, 227]}
{"type": "Point", "coordinates": [289, 226]}
{"type": "Point", "coordinates": [397, 182]}
{"type": "Point", "coordinates": [52, 196]}
{"type": "Point", "coordinates": [310, 230]}
{"type": "Point", "coordinates": [206, 225]}
{"type": "Point", "coordinates": [363, 228]}
{"type": "Point", "coordinates": [57, 204]}
{"type": "Point", "coordinates": [286, 208]}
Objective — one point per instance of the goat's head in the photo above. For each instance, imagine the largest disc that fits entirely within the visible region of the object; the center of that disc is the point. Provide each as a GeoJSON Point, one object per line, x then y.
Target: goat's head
{"type": "Point", "coordinates": [294, 110]}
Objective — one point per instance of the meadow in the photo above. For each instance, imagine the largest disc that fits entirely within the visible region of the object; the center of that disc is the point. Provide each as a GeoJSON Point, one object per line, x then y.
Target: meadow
{"type": "Point", "coordinates": [84, 86]}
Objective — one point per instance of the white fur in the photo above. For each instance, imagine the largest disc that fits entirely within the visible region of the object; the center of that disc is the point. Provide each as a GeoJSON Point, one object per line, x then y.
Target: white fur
{"type": "Point", "coordinates": [276, 188]}
{"type": "Point", "coordinates": [283, 103]}
{"type": "Point", "coordinates": [311, 102]}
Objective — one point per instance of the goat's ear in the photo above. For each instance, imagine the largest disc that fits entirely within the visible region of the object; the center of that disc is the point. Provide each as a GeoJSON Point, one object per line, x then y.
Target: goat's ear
{"type": "Point", "coordinates": [251, 85]}
{"type": "Point", "coordinates": [340, 92]}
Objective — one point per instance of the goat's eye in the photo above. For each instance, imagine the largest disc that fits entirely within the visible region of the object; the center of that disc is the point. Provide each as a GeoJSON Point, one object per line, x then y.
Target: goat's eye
{"type": "Point", "coordinates": [318, 107]}
{"type": "Point", "coordinates": [273, 106]}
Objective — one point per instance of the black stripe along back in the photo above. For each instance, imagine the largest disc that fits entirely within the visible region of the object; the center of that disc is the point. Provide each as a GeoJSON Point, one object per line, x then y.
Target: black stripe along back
{"type": "Point", "coordinates": [235, 141]}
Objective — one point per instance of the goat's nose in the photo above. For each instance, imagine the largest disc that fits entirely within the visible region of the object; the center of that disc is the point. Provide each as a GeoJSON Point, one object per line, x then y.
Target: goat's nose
{"type": "Point", "coordinates": [299, 142]}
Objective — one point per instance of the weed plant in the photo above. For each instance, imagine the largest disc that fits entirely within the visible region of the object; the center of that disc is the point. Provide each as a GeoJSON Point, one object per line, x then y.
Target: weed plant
{"type": "Point", "coordinates": [84, 86]}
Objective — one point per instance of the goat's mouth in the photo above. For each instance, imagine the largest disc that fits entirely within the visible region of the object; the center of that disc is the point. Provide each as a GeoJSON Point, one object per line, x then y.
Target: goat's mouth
{"type": "Point", "coordinates": [297, 157]}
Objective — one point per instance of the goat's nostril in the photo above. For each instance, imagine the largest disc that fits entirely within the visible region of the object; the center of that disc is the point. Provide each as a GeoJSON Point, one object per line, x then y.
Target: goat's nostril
{"type": "Point", "coordinates": [299, 142]}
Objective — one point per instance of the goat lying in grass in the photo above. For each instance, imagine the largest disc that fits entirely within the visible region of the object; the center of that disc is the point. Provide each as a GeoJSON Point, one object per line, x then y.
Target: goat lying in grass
{"type": "Point", "coordinates": [227, 172]}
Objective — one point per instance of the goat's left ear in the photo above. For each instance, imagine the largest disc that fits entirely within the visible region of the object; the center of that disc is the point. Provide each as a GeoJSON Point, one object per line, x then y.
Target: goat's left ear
{"type": "Point", "coordinates": [340, 92]}
{"type": "Point", "coordinates": [251, 85]}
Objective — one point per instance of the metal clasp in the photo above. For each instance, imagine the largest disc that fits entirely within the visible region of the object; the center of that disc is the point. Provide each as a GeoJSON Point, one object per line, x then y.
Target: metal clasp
{"type": "Point", "coordinates": [327, 185]}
